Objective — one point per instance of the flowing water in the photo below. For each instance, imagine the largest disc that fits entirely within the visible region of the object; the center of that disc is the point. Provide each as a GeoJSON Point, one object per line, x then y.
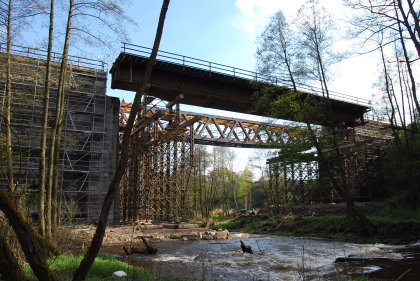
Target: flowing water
{"type": "Point", "coordinates": [274, 258]}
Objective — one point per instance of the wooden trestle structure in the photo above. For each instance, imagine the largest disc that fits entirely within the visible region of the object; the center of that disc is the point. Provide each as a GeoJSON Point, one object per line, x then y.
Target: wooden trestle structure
{"type": "Point", "coordinates": [161, 154]}
{"type": "Point", "coordinates": [155, 183]}
{"type": "Point", "coordinates": [302, 179]}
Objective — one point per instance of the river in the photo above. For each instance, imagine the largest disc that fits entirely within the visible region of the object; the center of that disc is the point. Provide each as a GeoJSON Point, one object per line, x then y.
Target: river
{"type": "Point", "coordinates": [274, 258]}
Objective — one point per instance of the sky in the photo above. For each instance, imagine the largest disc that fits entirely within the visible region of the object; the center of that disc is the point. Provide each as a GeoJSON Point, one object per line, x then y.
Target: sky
{"type": "Point", "coordinates": [226, 32]}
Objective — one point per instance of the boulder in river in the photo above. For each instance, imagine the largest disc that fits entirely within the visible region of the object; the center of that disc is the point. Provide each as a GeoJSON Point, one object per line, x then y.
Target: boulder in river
{"type": "Point", "coordinates": [221, 234]}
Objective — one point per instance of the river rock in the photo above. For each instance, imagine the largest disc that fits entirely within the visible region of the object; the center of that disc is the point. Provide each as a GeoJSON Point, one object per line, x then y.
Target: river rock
{"type": "Point", "coordinates": [187, 225]}
{"type": "Point", "coordinates": [148, 226]}
{"type": "Point", "coordinates": [221, 235]}
{"type": "Point", "coordinates": [190, 237]}
{"type": "Point", "coordinates": [157, 238]}
{"type": "Point", "coordinates": [119, 274]}
{"type": "Point", "coordinates": [175, 236]}
{"type": "Point", "coordinates": [207, 237]}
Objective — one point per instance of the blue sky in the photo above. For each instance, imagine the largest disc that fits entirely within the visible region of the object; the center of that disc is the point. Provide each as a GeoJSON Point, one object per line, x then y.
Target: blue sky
{"type": "Point", "coordinates": [226, 31]}
{"type": "Point", "coordinates": [202, 29]}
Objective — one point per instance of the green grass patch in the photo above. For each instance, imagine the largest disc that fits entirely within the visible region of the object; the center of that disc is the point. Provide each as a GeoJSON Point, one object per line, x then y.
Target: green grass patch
{"type": "Point", "coordinates": [227, 224]}
{"type": "Point", "coordinates": [63, 268]}
{"type": "Point", "coordinates": [262, 226]}
{"type": "Point", "coordinates": [397, 214]}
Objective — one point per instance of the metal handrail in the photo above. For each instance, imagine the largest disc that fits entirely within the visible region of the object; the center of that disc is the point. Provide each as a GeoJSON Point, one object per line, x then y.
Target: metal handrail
{"type": "Point", "coordinates": [56, 57]}
{"type": "Point", "coordinates": [235, 72]}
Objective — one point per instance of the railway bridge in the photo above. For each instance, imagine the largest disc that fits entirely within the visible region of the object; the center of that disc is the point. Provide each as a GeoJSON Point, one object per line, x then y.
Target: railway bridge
{"type": "Point", "coordinates": [162, 144]}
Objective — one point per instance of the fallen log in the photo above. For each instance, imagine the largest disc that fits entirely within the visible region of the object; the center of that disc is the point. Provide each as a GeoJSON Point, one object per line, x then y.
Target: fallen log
{"type": "Point", "coordinates": [134, 251]}
{"type": "Point", "coordinates": [149, 249]}
{"type": "Point", "coordinates": [403, 274]}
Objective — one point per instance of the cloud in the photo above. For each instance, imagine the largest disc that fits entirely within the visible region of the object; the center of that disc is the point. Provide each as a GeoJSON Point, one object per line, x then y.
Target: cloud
{"type": "Point", "coordinates": [254, 14]}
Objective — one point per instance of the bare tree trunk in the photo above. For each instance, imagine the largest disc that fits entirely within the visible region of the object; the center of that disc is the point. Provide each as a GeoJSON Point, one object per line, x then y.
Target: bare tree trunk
{"type": "Point", "coordinates": [54, 143]}
{"type": "Point", "coordinates": [55, 180]}
{"type": "Point", "coordinates": [407, 60]}
{"type": "Point", "coordinates": [389, 95]}
{"type": "Point", "coordinates": [44, 128]}
{"type": "Point", "coordinates": [341, 186]}
{"type": "Point", "coordinates": [8, 106]}
{"type": "Point", "coordinates": [406, 21]}
{"type": "Point", "coordinates": [415, 16]}
{"type": "Point", "coordinates": [85, 265]}
{"type": "Point", "coordinates": [28, 239]}
{"type": "Point", "coordinates": [9, 266]}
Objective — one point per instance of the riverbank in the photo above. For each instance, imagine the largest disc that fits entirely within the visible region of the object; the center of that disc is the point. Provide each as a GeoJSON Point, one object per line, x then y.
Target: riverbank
{"type": "Point", "coordinates": [279, 255]}
{"type": "Point", "coordinates": [394, 225]}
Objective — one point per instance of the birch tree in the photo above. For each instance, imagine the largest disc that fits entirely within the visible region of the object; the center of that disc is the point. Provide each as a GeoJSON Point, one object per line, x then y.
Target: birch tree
{"type": "Point", "coordinates": [391, 29]}
{"type": "Point", "coordinates": [316, 28]}
{"type": "Point", "coordinates": [87, 21]}
{"type": "Point", "coordinates": [393, 21]}
{"type": "Point", "coordinates": [279, 53]}
{"type": "Point", "coordinates": [44, 127]}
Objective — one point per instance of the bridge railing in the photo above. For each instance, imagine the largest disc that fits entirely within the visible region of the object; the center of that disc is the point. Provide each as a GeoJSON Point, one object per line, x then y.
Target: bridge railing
{"type": "Point", "coordinates": [56, 57]}
{"type": "Point", "coordinates": [235, 72]}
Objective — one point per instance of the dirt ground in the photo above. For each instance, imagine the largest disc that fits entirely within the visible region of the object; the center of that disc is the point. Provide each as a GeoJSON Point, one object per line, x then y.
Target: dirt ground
{"type": "Point", "coordinates": [79, 236]}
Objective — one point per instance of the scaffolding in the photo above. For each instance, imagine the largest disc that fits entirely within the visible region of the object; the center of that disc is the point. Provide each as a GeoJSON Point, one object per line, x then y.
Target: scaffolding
{"type": "Point", "coordinates": [90, 132]}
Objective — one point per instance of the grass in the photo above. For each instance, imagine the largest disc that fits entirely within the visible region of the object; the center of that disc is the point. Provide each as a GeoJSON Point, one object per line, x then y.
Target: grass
{"type": "Point", "coordinates": [102, 269]}
{"type": "Point", "coordinates": [398, 214]}
{"type": "Point", "coordinates": [228, 224]}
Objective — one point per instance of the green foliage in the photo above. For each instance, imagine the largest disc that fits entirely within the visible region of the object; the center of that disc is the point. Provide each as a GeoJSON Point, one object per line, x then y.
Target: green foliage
{"type": "Point", "coordinates": [245, 184]}
{"type": "Point", "coordinates": [102, 269]}
{"type": "Point", "coordinates": [259, 195]}
{"type": "Point", "coordinates": [398, 172]}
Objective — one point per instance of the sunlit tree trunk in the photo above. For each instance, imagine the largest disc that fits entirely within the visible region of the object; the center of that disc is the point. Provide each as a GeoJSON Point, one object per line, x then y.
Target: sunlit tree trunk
{"type": "Point", "coordinates": [44, 128]}
{"type": "Point", "coordinates": [55, 136]}
{"type": "Point", "coordinates": [8, 101]}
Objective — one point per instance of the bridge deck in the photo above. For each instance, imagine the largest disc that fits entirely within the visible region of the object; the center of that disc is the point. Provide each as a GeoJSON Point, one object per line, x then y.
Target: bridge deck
{"type": "Point", "coordinates": [213, 85]}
